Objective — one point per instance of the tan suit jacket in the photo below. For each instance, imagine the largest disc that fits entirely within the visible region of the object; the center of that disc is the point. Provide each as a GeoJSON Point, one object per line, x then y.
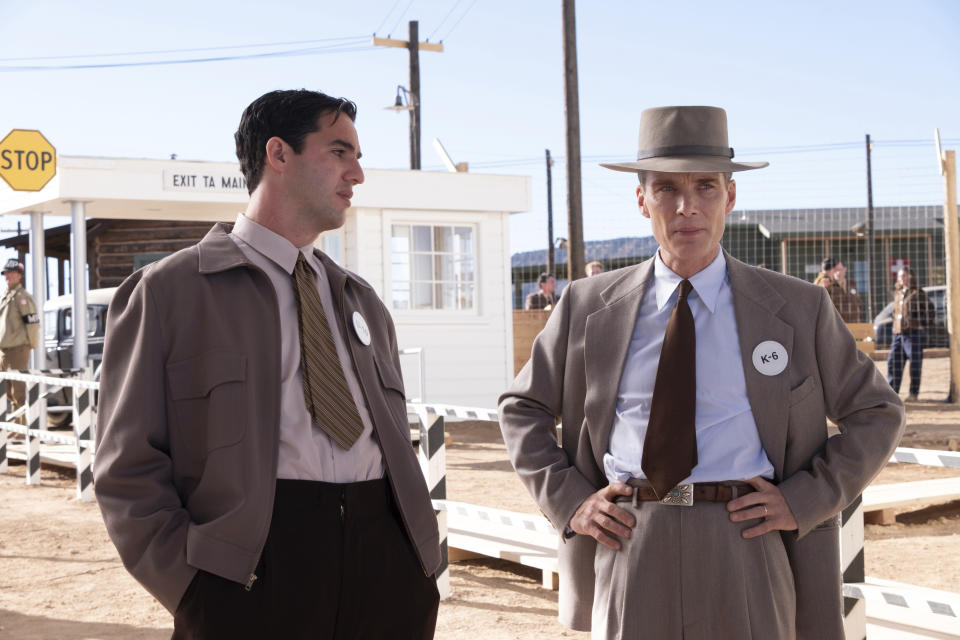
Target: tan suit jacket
{"type": "Point", "coordinates": [574, 375]}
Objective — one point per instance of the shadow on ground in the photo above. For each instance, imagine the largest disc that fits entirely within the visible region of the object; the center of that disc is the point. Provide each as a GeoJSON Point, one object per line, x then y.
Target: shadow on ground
{"type": "Point", "coordinates": [36, 627]}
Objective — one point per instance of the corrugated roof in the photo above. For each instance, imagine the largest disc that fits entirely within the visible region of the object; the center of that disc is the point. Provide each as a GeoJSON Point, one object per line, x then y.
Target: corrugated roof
{"type": "Point", "coordinates": [782, 222]}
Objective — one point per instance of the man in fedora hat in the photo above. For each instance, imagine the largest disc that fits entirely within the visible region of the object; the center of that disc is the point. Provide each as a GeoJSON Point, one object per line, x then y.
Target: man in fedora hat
{"type": "Point", "coordinates": [694, 482]}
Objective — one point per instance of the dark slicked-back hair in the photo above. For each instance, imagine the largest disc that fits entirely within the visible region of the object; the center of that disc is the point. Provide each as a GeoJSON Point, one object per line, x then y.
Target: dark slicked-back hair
{"type": "Point", "coordinates": [290, 115]}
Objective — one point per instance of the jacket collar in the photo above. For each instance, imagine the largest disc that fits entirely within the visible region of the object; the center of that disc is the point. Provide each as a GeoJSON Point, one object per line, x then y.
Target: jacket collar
{"type": "Point", "coordinates": [633, 282]}
{"type": "Point", "coordinates": [218, 252]}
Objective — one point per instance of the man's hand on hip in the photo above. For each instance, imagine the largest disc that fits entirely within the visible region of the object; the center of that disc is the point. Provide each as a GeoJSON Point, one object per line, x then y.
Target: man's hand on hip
{"type": "Point", "coordinates": [766, 502]}
{"type": "Point", "coordinates": [600, 518]}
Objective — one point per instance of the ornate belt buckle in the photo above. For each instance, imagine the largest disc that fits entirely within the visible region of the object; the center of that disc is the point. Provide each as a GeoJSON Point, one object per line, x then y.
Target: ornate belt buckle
{"type": "Point", "coordinates": [680, 496]}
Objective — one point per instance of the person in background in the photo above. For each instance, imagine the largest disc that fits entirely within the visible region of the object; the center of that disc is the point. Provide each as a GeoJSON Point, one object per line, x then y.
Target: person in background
{"type": "Point", "coordinates": [843, 291]}
{"type": "Point", "coordinates": [19, 330]}
{"type": "Point", "coordinates": [912, 314]}
{"type": "Point", "coordinates": [594, 268]}
{"type": "Point", "coordinates": [545, 297]}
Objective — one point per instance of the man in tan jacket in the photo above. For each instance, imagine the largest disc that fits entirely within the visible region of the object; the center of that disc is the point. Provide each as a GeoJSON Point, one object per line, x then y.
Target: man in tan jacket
{"type": "Point", "coordinates": [694, 480]}
{"type": "Point", "coordinates": [19, 329]}
{"type": "Point", "coordinates": [254, 465]}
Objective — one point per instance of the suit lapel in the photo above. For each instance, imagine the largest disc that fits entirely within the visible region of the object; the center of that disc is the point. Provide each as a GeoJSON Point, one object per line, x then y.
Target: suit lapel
{"type": "Point", "coordinates": [607, 340]}
{"type": "Point", "coordinates": [756, 304]}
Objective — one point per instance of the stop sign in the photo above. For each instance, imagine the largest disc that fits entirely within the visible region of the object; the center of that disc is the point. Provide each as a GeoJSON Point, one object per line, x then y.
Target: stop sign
{"type": "Point", "coordinates": [27, 160]}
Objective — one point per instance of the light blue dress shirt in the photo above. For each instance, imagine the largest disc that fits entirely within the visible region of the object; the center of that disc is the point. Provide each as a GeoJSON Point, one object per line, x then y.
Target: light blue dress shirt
{"type": "Point", "coordinates": [728, 445]}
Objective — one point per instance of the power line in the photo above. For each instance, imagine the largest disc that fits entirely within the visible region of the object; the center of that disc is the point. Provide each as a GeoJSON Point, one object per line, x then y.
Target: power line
{"type": "Point", "coordinates": [459, 20]}
{"type": "Point", "coordinates": [345, 39]}
{"type": "Point", "coordinates": [449, 13]}
{"type": "Point", "coordinates": [400, 17]}
{"type": "Point", "coordinates": [155, 63]}
{"type": "Point", "coordinates": [387, 17]}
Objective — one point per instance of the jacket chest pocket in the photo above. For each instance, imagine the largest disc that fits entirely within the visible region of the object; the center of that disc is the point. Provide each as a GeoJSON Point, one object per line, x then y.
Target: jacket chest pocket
{"type": "Point", "coordinates": [209, 397]}
{"type": "Point", "coordinates": [392, 386]}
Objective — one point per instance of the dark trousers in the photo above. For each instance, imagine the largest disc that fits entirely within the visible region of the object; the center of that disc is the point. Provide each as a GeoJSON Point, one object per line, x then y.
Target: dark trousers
{"type": "Point", "coordinates": [906, 346]}
{"type": "Point", "coordinates": [337, 565]}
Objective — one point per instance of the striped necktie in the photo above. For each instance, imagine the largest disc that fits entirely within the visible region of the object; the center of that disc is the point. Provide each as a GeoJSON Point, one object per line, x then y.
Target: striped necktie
{"type": "Point", "coordinates": [670, 446]}
{"type": "Point", "coordinates": [329, 401]}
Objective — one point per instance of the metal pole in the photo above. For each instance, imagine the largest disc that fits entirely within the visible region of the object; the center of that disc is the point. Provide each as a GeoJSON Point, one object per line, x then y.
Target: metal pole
{"type": "Point", "coordinates": [951, 238]}
{"type": "Point", "coordinates": [550, 253]}
{"type": "Point", "coordinates": [575, 259]}
{"type": "Point", "coordinates": [414, 44]}
{"type": "Point", "coordinates": [873, 296]}
{"type": "Point", "coordinates": [78, 269]}
{"type": "Point", "coordinates": [38, 273]}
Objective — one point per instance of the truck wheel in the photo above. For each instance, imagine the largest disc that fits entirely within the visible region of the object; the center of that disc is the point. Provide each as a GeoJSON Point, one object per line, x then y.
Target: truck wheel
{"type": "Point", "coordinates": [59, 418]}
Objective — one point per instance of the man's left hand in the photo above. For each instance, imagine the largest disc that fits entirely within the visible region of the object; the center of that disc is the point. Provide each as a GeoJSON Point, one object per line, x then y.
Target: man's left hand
{"type": "Point", "coordinates": [766, 502]}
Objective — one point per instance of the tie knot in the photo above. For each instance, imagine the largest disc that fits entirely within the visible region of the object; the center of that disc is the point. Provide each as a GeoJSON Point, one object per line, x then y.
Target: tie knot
{"type": "Point", "coordinates": [302, 265]}
{"type": "Point", "coordinates": [685, 289]}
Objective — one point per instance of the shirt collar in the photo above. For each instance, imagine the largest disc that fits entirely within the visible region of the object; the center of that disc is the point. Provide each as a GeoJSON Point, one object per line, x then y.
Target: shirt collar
{"type": "Point", "coordinates": [706, 283]}
{"type": "Point", "coordinates": [272, 245]}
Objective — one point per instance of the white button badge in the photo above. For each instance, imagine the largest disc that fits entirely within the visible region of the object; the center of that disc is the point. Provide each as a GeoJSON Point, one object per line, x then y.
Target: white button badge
{"type": "Point", "coordinates": [361, 329]}
{"type": "Point", "coordinates": [770, 358]}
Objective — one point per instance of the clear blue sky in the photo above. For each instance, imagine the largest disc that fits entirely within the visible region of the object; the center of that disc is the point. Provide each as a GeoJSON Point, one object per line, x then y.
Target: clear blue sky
{"type": "Point", "coordinates": [791, 75]}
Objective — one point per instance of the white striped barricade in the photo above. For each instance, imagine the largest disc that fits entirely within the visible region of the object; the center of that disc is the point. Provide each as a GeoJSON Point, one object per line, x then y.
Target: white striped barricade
{"type": "Point", "coordinates": [858, 589]}
{"type": "Point", "coordinates": [926, 457]}
{"type": "Point", "coordinates": [852, 565]}
{"type": "Point", "coordinates": [4, 410]}
{"type": "Point", "coordinates": [523, 538]}
{"type": "Point", "coordinates": [34, 410]}
{"type": "Point", "coordinates": [940, 603]}
{"type": "Point", "coordinates": [83, 435]}
{"type": "Point", "coordinates": [433, 464]}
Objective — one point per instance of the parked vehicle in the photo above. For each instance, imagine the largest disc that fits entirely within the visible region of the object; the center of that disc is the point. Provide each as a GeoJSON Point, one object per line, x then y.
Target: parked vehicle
{"type": "Point", "coordinates": [59, 340]}
{"type": "Point", "coordinates": [937, 335]}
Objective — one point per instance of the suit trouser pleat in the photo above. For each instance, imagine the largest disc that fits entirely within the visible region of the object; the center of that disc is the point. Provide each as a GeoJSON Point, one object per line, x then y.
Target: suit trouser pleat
{"type": "Point", "coordinates": [685, 573]}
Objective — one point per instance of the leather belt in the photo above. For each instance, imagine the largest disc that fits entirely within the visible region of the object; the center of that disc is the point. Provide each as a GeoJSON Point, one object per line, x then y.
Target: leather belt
{"type": "Point", "coordinates": [686, 494]}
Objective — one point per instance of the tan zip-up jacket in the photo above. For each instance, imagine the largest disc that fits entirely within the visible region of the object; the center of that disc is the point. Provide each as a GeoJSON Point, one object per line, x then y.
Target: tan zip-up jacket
{"type": "Point", "coordinates": [189, 415]}
{"type": "Point", "coordinates": [18, 319]}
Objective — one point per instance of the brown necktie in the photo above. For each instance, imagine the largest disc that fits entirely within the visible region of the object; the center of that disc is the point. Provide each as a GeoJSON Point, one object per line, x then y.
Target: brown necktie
{"type": "Point", "coordinates": [329, 401]}
{"type": "Point", "coordinates": [670, 446]}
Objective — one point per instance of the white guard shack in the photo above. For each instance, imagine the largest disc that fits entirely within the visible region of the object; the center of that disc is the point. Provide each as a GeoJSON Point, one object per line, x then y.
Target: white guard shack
{"type": "Point", "coordinates": [434, 245]}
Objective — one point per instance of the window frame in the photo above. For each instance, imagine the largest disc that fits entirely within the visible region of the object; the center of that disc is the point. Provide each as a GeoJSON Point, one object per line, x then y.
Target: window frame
{"type": "Point", "coordinates": [449, 220]}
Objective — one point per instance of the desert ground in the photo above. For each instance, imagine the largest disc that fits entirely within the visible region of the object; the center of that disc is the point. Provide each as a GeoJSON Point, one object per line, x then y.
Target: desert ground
{"type": "Point", "coordinates": [60, 577]}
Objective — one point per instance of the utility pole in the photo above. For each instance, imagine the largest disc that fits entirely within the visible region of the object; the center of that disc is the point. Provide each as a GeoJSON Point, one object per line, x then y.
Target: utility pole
{"type": "Point", "coordinates": [575, 260]}
{"type": "Point", "coordinates": [550, 254]}
{"type": "Point", "coordinates": [873, 295]}
{"type": "Point", "coordinates": [413, 45]}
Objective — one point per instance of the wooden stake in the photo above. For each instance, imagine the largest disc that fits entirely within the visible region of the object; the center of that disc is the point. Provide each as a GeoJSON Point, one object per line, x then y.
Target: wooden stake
{"type": "Point", "coordinates": [951, 238]}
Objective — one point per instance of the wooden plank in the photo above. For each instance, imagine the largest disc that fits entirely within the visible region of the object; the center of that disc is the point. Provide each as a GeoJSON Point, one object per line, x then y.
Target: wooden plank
{"type": "Point", "coordinates": [403, 44]}
{"type": "Point", "coordinates": [882, 516]}
{"type": "Point", "coordinates": [861, 330]}
{"type": "Point", "coordinates": [527, 325]}
{"type": "Point", "coordinates": [887, 496]}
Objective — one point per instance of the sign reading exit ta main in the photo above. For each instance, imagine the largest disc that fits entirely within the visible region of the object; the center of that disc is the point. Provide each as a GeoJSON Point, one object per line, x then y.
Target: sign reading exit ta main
{"type": "Point", "coordinates": [27, 160]}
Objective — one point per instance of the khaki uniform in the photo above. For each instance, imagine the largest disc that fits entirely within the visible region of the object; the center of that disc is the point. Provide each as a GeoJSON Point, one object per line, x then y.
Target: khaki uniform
{"type": "Point", "coordinates": [19, 333]}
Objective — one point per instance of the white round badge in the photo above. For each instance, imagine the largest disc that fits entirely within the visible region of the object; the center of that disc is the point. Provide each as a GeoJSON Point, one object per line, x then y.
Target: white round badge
{"type": "Point", "coordinates": [770, 358]}
{"type": "Point", "coordinates": [361, 328]}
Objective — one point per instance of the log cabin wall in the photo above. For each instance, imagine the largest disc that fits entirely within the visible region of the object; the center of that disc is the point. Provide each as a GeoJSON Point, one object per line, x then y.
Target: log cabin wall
{"type": "Point", "coordinates": [125, 245]}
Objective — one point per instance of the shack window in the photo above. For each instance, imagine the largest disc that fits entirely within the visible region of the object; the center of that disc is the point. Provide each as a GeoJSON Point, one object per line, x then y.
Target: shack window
{"type": "Point", "coordinates": [433, 267]}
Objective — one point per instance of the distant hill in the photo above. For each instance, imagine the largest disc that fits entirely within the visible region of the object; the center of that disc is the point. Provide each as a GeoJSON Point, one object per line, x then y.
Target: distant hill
{"type": "Point", "coordinates": [612, 249]}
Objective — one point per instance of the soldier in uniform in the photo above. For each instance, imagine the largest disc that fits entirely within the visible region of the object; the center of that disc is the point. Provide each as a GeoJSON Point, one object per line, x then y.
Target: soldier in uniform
{"type": "Point", "coordinates": [19, 328]}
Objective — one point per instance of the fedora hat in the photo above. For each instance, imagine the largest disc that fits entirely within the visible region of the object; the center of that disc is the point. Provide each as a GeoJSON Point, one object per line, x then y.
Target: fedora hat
{"type": "Point", "coordinates": [683, 140]}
